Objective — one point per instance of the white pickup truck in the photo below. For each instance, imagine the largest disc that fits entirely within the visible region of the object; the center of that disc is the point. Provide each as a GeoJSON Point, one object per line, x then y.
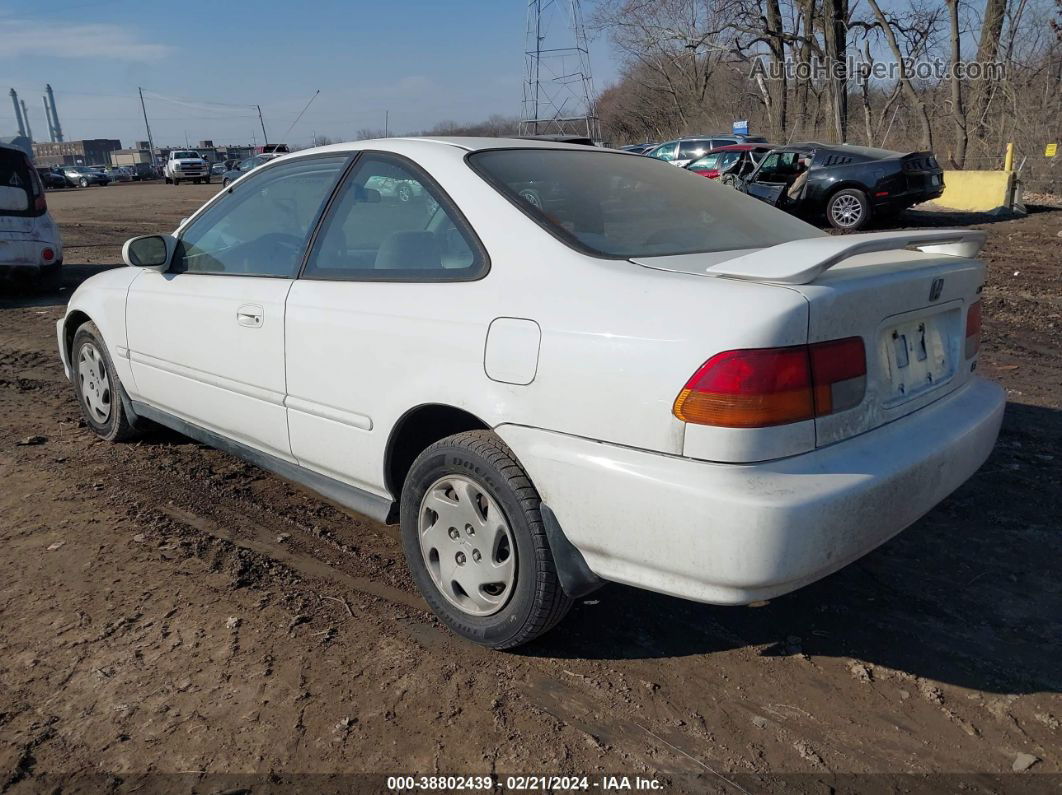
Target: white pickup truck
{"type": "Point", "coordinates": [186, 164]}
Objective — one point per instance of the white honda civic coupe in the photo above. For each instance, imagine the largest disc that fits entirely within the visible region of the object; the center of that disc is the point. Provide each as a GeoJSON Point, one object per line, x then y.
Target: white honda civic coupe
{"type": "Point", "coordinates": [553, 366]}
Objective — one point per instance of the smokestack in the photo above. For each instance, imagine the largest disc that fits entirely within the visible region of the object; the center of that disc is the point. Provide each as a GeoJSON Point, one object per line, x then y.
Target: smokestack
{"type": "Point", "coordinates": [18, 113]}
{"type": "Point", "coordinates": [25, 118]}
{"type": "Point", "coordinates": [58, 130]}
{"type": "Point", "coordinates": [48, 120]}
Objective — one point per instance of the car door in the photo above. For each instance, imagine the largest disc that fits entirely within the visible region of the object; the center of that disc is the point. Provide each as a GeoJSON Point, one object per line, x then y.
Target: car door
{"type": "Point", "coordinates": [770, 179]}
{"type": "Point", "coordinates": [206, 337]}
{"type": "Point", "coordinates": [377, 309]}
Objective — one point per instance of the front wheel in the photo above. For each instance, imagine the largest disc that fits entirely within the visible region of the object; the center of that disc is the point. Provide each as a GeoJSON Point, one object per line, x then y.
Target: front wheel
{"type": "Point", "coordinates": [848, 209]}
{"type": "Point", "coordinates": [474, 540]}
{"type": "Point", "coordinates": [97, 386]}
{"type": "Point", "coordinates": [176, 181]}
{"type": "Point", "coordinates": [83, 182]}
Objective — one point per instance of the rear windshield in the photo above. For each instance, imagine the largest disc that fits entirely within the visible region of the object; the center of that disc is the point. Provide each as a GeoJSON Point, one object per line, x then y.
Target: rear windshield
{"type": "Point", "coordinates": [19, 184]}
{"type": "Point", "coordinates": [623, 206]}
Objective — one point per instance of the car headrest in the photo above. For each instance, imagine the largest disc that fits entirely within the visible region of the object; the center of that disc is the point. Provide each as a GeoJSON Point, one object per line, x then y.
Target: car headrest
{"type": "Point", "coordinates": [409, 250]}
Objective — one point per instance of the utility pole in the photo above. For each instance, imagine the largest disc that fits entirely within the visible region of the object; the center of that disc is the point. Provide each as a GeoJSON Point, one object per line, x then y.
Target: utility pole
{"type": "Point", "coordinates": [559, 99]}
{"type": "Point", "coordinates": [265, 136]}
{"type": "Point", "coordinates": [387, 125]}
{"type": "Point", "coordinates": [151, 141]}
{"type": "Point", "coordinates": [538, 57]}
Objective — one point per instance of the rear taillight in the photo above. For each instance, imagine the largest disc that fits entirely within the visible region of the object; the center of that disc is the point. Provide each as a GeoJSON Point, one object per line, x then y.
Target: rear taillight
{"type": "Point", "coordinates": [39, 204]}
{"type": "Point", "coordinates": [47, 254]}
{"type": "Point", "coordinates": [839, 374]}
{"type": "Point", "coordinates": [759, 387]}
{"type": "Point", "coordinates": [973, 330]}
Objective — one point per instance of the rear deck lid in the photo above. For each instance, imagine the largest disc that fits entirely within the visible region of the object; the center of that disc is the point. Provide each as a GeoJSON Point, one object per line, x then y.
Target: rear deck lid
{"type": "Point", "coordinates": [908, 307]}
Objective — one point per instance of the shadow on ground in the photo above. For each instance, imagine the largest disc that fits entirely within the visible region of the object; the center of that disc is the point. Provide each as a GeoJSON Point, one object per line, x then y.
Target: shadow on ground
{"type": "Point", "coordinates": [15, 294]}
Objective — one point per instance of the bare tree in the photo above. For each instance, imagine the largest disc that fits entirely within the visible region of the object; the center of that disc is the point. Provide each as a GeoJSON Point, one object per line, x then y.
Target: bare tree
{"type": "Point", "coordinates": [987, 52]}
{"type": "Point", "coordinates": [958, 114]}
{"type": "Point", "coordinates": [912, 95]}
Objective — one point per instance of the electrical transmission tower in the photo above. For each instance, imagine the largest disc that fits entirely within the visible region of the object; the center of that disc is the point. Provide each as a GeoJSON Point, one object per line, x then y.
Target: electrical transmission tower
{"type": "Point", "coordinates": [558, 89]}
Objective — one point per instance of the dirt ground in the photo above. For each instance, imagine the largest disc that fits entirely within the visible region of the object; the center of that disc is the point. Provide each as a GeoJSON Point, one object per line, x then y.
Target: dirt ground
{"type": "Point", "coordinates": [169, 613]}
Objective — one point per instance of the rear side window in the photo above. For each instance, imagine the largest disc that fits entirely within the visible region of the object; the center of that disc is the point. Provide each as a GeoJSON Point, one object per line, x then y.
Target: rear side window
{"type": "Point", "coordinates": [261, 225]}
{"type": "Point", "coordinates": [390, 222]}
{"type": "Point", "coordinates": [20, 187]}
{"type": "Point", "coordinates": [620, 206]}
{"type": "Point", "coordinates": [664, 151]}
{"type": "Point", "coordinates": [691, 150]}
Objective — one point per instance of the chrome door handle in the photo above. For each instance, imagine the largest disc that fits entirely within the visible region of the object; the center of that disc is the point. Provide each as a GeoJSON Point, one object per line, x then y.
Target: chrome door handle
{"type": "Point", "coordinates": [250, 316]}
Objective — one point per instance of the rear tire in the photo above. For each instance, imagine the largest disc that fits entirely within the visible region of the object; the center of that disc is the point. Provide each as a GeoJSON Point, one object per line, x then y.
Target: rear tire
{"type": "Point", "coordinates": [482, 561]}
{"type": "Point", "coordinates": [97, 386]}
{"type": "Point", "coordinates": [848, 209]}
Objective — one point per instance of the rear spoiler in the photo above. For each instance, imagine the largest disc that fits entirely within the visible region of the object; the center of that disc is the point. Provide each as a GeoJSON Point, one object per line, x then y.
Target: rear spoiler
{"type": "Point", "coordinates": [801, 261]}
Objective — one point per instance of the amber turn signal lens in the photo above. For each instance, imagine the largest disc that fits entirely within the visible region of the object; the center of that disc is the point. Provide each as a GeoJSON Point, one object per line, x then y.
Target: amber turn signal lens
{"type": "Point", "coordinates": [760, 387]}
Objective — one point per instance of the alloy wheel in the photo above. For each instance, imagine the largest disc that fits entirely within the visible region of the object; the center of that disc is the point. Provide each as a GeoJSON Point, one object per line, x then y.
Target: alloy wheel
{"type": "Point", "coordinates": [846, 211]}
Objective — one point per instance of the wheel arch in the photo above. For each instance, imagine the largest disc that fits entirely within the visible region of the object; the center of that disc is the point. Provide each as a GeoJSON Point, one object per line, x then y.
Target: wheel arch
{"type": "Point", "coordinates": [828, 193]}
{"type": "Point", "coordinates": [417, 429]}
{"type": "Point", "coordinates": [73, 321]}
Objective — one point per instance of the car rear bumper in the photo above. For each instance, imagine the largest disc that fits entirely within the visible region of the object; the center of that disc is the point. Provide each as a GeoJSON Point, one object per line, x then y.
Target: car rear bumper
{"type": "Point", "coordinates": [22, 259]}
{"type": "Point", "coordinates": [734, 534]}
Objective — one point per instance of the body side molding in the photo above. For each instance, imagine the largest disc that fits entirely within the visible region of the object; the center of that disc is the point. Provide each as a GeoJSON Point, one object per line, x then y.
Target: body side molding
{"type": "Point", "coordinates": [375, 507]}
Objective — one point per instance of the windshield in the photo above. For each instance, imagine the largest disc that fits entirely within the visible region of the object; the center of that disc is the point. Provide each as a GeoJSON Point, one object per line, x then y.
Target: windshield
{"type": "Point", "coordinates": [185, 155]}
{"type": "Point", "coordinates": [624, 206]}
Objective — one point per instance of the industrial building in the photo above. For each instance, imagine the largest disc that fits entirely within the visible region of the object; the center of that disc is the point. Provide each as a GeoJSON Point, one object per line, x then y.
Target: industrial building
{"type": "Point", "coordinates": [89, 152]}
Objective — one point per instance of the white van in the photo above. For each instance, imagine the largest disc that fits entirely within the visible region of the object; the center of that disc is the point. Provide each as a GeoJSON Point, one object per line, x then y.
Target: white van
{"type": "Point", "coordinates": [30, 247]}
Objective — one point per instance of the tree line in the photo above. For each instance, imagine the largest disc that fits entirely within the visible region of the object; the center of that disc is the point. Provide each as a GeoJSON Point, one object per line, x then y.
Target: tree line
{"type": "Point", "coordinates": [816, 70]}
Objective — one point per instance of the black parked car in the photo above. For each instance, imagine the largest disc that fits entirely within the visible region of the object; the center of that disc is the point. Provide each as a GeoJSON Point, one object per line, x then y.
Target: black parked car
{"type": "Point", "coordinates": [52, 179]}
{"type": "Point", "coordinates": [847, 184]}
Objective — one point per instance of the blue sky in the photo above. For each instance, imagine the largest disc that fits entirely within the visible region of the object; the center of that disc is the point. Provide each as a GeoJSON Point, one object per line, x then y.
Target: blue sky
{"type": "Point", "coordinates": [424, 61]}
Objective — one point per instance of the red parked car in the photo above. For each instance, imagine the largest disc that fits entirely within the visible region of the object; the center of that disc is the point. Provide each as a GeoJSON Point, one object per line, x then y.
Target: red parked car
{"type": "Point", "coordinates": [735, 159]}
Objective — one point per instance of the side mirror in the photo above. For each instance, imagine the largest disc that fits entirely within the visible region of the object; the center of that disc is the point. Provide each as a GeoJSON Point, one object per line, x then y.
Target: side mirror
{"type": "Point", "coordinates": [150, 251]}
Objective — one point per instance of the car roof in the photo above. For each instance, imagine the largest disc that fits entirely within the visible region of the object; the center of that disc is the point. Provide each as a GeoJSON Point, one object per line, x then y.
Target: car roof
{"type": "Point", "coordinates": [742, 147]}
{"type": "Point", "coordinates": [468, 144]}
